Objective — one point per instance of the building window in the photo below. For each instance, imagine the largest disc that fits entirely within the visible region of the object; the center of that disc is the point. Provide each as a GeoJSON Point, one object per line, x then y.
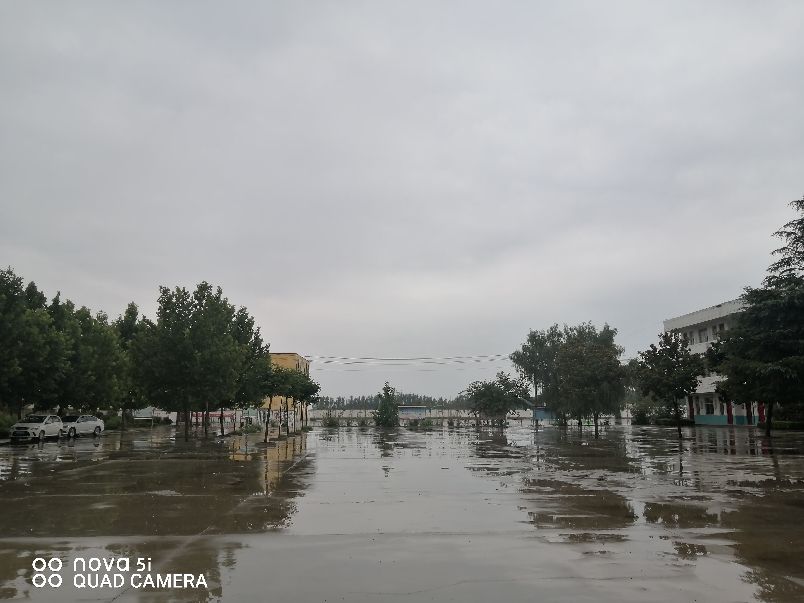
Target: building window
{"type": "Point", "coordinates": [703, 335]}
{"type": "Point", "coordinates": [710, 406]}
{"type": "Point", "coordinates": [721, 327]}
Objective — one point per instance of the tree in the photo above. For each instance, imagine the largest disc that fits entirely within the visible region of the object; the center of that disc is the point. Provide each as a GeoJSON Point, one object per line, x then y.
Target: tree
{"type": "Point", "coordinates": [305, 392]}
{"type": "Point", "coordinates": [189, 356]}
{"type": "Point", "coordinates": [387, 414]}
{"type": "Point", "coordinates": [493, 400]}
{"type": "Point", "coordinates": [762, 356]}
{"type": "Point", "coordinates": [128, 325]}
{"type": "Point", "coordinates": [536, 361]}
{"type": "Point", "coordinates": [669, 372]}
{"type": "Point", "coordinates": [32, 351]}
{"type": "Point", "coordinates": [590, 379]}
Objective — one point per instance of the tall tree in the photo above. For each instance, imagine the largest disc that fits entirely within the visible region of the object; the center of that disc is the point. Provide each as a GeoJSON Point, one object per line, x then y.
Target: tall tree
{"type": "Point", "coordinates": [189, 357]}
{"type": "Point", "coordinates": [32, 350]}
{"type": "Point", "coordinates": [762, 356]}
{"type": "Point", "coordinates": [536, 361]}
{"type": "Point", "coordinates": [591, 380]}
{"type": "Point", "coordinates": [669, 372]}
{"type": "Point", "coordinates": [128, 325]}
{"type": "Point", "coordinates": [387, 414]}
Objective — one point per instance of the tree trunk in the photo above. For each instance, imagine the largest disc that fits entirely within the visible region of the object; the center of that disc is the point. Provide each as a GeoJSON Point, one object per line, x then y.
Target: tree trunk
{"type": "Point", "coordinates": [267, 425]}
{"type": "Point", "coordinates": [204, 419]}
{"type": "Point", "coordinates": [186, 424]}
{"type": "Point", "coordinates": [678, 418]}
{"type": "Point", "coordinates": [768, 418]}
{"type": "Point", "coordinates": [123, 418]}
{"type": "Point", "coordinates": [595, 417]}
{"type": "Point", "coordinates": [220, 419]}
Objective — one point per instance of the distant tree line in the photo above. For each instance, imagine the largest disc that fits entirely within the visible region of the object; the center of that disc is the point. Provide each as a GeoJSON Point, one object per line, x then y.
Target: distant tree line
{"type": "Point", "coordinates": [372, 402]}
{"type": "Point", "coordinates": [200, 354]}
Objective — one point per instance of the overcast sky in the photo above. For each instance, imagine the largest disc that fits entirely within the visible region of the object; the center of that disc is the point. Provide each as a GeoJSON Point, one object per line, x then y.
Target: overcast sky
{"type": "Point", "coordinates": [402, 178]}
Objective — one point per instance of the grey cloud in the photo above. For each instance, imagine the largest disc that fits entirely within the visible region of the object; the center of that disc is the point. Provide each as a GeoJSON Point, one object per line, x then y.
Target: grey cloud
{"type": "Point", "coordinates": [399, 179]}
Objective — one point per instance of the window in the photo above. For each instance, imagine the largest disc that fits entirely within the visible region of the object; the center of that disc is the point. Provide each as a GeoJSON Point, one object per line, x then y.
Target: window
{"type": "Point", "coordinates": [721, 327]}
{"type": "Point", "coordinates": [710, 406]}
{"type": "Point", "coordinates": [703, 335]}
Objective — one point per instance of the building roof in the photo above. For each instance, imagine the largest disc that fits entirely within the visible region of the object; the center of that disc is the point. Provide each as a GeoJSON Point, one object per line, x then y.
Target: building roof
{"type": "Point", "coordinates": [704, 315]}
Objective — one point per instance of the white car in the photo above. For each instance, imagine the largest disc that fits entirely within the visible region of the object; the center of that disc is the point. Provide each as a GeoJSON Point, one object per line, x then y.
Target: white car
{"type": "Point", "coordinates": [75, 425]}
{"type": "Point", "coordinates": [36, 427]}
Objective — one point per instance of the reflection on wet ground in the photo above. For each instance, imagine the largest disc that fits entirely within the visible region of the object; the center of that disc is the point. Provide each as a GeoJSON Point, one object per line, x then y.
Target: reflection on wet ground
{"type": "Point", "coordinates": [448, 514]}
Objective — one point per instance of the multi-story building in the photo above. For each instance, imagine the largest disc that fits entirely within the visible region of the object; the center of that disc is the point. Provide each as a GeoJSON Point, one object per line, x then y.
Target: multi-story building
{"type": "Point", "coordinates": [706, 406]}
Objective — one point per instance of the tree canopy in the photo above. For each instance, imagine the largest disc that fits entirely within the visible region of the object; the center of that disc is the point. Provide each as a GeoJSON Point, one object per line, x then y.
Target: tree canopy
{"type": "Point", "coordinates": [762, 356]}
{"type": "Point", "coordinates": [669, 371]}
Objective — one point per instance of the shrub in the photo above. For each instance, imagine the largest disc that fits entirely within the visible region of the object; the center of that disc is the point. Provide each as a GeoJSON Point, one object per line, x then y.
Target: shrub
{"type": "Point", "coordinates": [426, 423]}
{"type": "Point", "coordinates": [640, 417]}
{"type": "Point", "coordinates": [362, 422]}
{"type": "Point", "coordinates": [113, 422]}
{"type": "Point", "coordinates": [6, 421]}
{"type": "Point", "coordinates": [413, 424]}
{"type": "Point", "coordinates": [252, 428]}
{"type": "Point", "coordinates": [330, 421]}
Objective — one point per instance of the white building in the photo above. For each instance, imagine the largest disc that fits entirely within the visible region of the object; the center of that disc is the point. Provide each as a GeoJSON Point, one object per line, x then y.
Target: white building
{"type": "Point", "coordinates": [701, 328]}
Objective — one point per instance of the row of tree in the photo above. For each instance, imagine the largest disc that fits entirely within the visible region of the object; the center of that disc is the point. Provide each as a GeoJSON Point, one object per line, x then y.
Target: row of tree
{"type": "Point", "coordinates": [371, 402]}
{"type": "Point", "coordinates": [576, 372]}
{"type": "Point", "coordinates": [200, 354]}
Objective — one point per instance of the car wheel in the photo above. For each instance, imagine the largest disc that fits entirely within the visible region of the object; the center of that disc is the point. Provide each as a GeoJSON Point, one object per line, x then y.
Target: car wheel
{"type": "Point", "coordinates": [41, 436]}
{"type": "Point", "coordinates": [97, 431]}
{"type": "Point", "coordinates": [71, 433]}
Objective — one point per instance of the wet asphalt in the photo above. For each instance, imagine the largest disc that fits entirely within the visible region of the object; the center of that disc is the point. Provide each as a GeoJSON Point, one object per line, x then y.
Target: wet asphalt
{"type": "Point", "coordinates": [451, 514]}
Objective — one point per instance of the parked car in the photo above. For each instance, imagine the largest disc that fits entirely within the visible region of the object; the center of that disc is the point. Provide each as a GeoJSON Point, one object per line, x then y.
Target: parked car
{"type": "Point", "coordinates": [75, 425]}
{"type": "Point", "coordinates": [36, 427]}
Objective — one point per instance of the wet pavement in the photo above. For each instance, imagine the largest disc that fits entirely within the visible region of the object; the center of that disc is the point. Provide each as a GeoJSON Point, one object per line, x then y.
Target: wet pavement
{"type": "Point", "coordinates": [451, 514]}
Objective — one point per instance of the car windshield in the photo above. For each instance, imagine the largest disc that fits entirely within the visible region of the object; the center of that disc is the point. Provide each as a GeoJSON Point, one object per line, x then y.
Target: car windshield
{"type": "Point", "coordinates": [34, 419]}
{"type": "Point", "coordinates": [69, 419]}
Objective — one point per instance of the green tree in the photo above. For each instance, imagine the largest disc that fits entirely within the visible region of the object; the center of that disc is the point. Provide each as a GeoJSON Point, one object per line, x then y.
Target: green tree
{"type": "Point", "coordinates": [189, 357]}
{"type": "Point", "coordinates": [387, 414]}
{"type": "Point", "coordinates": [32, 351]}
{"type": "Point", "coordinates": [493, 400]}
{"type": "Point", "coordinates": [669, 372]}
{"type": "Point", "coordinates": [128, 325]}
{"type": "Point", "coordinates": [536, 361]}
{"type": "Point", "coordinates": [590, 378]}
{"type": "Point", "coordinates": [762, 356]}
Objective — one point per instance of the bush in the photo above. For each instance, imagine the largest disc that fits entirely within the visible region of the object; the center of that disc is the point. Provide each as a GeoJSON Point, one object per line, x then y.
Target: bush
{"type": "Point", "coordinates": [6, 421]}
{"type": "Point", "coordinates": [252, 428]}
{"type": "Point", "coordinates": [330, 421]}
{"type": "Point", "coordinates": [413, 424]}
{"type": "Point", "coordinates": [114, 422]}
{"type": "Point", "coordinates": [426, 423]}
{"type": "Point", "coordinates": [362, 422]}
{"type": "Point", "coordinates": [640, 417]}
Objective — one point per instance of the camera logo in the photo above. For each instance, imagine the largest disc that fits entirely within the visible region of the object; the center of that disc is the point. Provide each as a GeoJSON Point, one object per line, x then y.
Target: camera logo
{"type": "Point", "coordinates": [40, 579]}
